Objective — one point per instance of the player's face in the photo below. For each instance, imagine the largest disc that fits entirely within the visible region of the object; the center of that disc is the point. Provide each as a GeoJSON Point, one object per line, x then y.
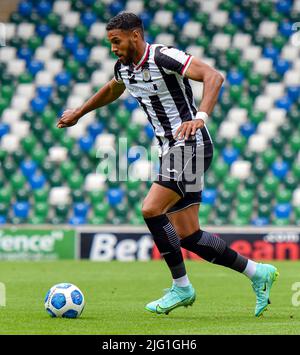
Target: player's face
{"type": "Point", "coordinates": [122, 45]}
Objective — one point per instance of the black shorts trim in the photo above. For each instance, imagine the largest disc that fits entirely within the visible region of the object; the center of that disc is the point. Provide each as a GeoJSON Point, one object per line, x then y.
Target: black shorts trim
{"type": "Point", "coordinates": [170, 211]}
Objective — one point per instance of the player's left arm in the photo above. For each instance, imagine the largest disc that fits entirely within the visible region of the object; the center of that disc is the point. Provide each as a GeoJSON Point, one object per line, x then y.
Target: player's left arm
{"type": "Point", "coordinates": [212, 82]}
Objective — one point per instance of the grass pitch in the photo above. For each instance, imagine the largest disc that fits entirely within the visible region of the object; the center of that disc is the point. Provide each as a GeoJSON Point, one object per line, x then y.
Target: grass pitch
{"type": "Point", "coordinates": [116, 294]}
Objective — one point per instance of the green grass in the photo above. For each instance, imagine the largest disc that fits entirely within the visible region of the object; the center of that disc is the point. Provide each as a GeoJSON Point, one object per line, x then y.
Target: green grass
{"type": "Point", "coordinates": [117, 292]}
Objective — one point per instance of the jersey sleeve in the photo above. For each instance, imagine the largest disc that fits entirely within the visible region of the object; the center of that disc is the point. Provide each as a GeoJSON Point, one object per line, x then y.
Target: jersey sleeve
{"type": "Point", "coordinates": [172, 60]}
{"type": "Point", "coordinates": [117, 74]}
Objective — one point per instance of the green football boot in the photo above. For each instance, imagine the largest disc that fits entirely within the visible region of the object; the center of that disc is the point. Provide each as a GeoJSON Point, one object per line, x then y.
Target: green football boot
{"type": "Point", "coordinates": [174, 297]}
{"type": "Point", "coordinates": [262, 283]}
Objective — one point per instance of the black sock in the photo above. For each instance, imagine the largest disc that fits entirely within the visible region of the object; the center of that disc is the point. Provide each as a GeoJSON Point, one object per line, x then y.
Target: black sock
{"type": "Point", "coordinates": [214, 250]}
{"type": "Point", "coordinates": [168, 243]}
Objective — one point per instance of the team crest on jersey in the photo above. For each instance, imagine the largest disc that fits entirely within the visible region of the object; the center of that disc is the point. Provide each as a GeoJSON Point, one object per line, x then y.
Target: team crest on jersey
{"type": "Point", "coordinates": [146, 75]}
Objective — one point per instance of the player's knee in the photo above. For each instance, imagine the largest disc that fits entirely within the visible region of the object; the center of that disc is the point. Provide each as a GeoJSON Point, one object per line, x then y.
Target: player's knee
{"type": "Point", "coordinates": [184, 232]}
{"type": "Point", "coordinates": [150, 210]}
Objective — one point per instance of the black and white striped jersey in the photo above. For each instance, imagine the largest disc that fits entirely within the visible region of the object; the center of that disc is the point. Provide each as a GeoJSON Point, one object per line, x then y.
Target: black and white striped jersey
{"type": "Point", "coordinates": [159, 85]}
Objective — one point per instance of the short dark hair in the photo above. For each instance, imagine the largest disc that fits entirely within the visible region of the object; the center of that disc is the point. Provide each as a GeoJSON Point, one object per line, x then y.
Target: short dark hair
{"type": "Point", "coordinates": [125, 21]}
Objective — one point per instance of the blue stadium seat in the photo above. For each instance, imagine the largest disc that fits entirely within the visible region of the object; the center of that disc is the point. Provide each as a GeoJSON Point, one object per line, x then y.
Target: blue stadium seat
{"type": "Point", "coordinates": [209, 196]}
{"type": "Point", "coordinates": [25, 53]}
{"type": "Point", "coordinates": [81, 54]}
{"type": "Point", "coordinates": [281, 66]}
{"type": "Point", "coordinates": [43, 30]}
{"type": "Point", "coordinates": [44, 92]}
{"type": "Point", "coordinates": [34, 66]}
{"type": "Point", "coordinates": [4, 129]}
{"type": "Point", "coordinates": [88, 18]}
{"type": "Point", "coordinates": [37, 181]}
{"type": "Point", "coordinates": [286, 29]}
{"type": "Point", "coordinates": [21, 209]}
{"type": "Point", "coordinates": [293, 92]}
{"type": "Point", "coordinates": [25, 8]}
{"type": "Point", "coordinates": [230, 155]}
{"type": "Point", "coordinates": [247, 129]}
{"type": "Point", "coordinates": [44, 8]}
{"type": "Point", "coordinates": [95, 128]}
{"type": "Point", "coordinates": [63, 78]}
{"type": "Point", "coordinates": [283, 6]}
{"type": "Point", "coordinates": [238, 18]}
{"type": "Point", "coordinates": [280, 169]}
{"type": "Point", "coordinates": [271, 52]}
{"type": "Point", "coordinates": [81, 209]}
{"type": "Point", "coordinates": [181, 18]}
{"type": "Point", "coordinates": [86, 143]}
{"type": "Point", "coordinates": [88, 2]}
{"type": "Point", "coordinates": [131, 103]}
{"type": "Point", "coordinates": [146, 18]}
{"type": "Point", "coordinates": [28, 167]}
{"type": "Point", "coordinates": [115, 196]}
{"type": "Point", "coordinates": [77, 220]}
{"type": "Point", "coordinates": [149, 131]}
{"type": "Point", "coordinates": [38, 104]}
{"type": "Point", "coordinates": [115, 7]}
{"type": "Point", "coordinates": [283, 210]}
{"type": "Point", "coordinates": [284, 102]}
{"type": "Point", "coordinates": [260, 221]}
{"type": "Point", "coordinates": [2, 219]}
{"type": "Point", "coordinates": [71, 42]}
{"type": "Point", "coordinates": [235, 77]}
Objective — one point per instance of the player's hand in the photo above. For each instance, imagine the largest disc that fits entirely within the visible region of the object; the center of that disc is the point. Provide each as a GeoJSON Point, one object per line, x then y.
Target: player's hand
{"type": "Point", "coordinates": [188, 128]}
{"type": "Point", "coordinates": [69, 118]}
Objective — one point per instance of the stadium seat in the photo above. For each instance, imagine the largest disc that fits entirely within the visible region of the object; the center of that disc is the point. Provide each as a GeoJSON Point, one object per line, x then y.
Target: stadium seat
{"type": "Point", "coordinates": [296, 197]}
{"type": "Point", "coordinates": [37, 181]}
{"type": "Point", "coordinates": [209, 196]}
{"type": "Point", "coordinates": [241, 169]}
{"type": "Point", "coordinates": [221, 41]}
{"type": "Point", "coordinates": [10, 116]}
{"type": "Point", "coordinates": [40, 195]}
{"type": "Point", "coordinates": [271, 183]}
{"type": "Point", "coordinates": [16, 67]}
{"type": "Point", "coordinates": [81, 209]}
{"type": "Point", "coordinates": [76, 131]}
{"type": "Point", "coordinates": [258, 143]}
{"type": "Point", "coordinates": [252, 53]}
{"type": "Point", "coordinates": [267, 29]}
{"type": "Point", "coordinates": [43, 78]}
{"type": "Point", "coordinates": [57, 154]}
{"type": "Point", "coordinates": [10, 143]}
{"type": "Point", "coordinates": [260, 221]}
{"type": "Point", "coordinates": [21, 210]}
{"type": "Point", "coordinates": [94, 182]}
{"type": "Point", "coordinates": [59, 195]}
{"type": "Point", "coordinates": [291, 77]}
{"type": "Point", "coordinates": [228, 130]}
{"type": "Point", "coordinates": [267, 129]}
{"type": "Point", "coordinates": [25, 30]}
{"type": "Point", "coordinates": [71, 19]}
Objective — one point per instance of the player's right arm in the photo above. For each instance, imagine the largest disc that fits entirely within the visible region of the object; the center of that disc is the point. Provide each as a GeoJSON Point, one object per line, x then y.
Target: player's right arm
{"type": "Point", "coordinates": [107, 94]}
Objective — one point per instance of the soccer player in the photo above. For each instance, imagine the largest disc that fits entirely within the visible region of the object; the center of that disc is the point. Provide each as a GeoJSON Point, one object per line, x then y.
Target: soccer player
{"type": "Point", "coordinates": [158, 77]}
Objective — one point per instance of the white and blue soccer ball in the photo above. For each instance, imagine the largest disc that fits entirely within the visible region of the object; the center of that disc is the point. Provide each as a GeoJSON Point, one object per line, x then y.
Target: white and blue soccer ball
{"type": "Point", "coordinates": [64, 300]}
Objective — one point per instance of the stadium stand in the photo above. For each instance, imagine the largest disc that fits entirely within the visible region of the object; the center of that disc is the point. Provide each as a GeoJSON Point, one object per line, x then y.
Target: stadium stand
{"type": "Point", "coordinates": [57, 55]}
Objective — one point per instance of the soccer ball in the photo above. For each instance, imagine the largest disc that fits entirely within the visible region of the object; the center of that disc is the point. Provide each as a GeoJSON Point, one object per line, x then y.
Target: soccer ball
{"type": "Point", "coordinates": [64, 300]}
